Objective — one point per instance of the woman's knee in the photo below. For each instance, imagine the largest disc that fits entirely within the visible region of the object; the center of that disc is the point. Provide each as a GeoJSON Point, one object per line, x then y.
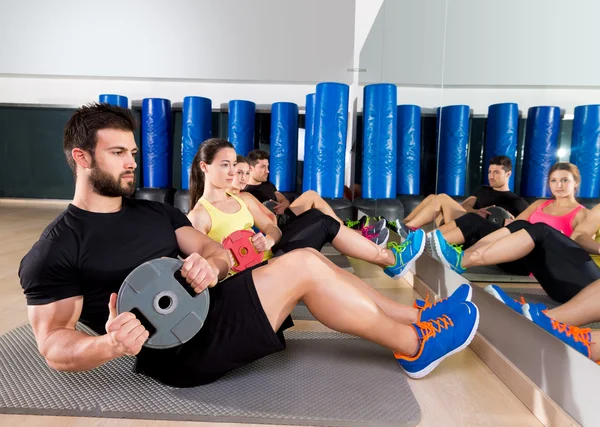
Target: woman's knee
{"type": "Point", "coordinates": [519, 224]}
{"type": "Point", "coordinates": [308, 259]}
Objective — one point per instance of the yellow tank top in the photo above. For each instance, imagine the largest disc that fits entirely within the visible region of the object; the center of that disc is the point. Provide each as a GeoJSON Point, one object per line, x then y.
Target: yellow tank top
{"type": "Point", "coordinates": [596, 258]}
{"type": "Point", "coordinates": [223, 223]}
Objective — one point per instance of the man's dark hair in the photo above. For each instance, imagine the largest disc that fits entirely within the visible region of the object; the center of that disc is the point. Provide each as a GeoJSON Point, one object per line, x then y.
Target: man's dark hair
{"type": "Point", "coordinates": [255, 155]}
{"type": "Point", "coordinates": [503, 161]}
{"type": "Point", "coordinates": [80, 130]}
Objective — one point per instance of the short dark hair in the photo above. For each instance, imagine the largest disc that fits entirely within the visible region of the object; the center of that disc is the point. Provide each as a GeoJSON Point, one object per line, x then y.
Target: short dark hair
{"type": "Point", "coordinates": [241, 159]}
{"type": "Point", "coordinates": [503, 161]}
{"type": "Point", "coordinates": [82, 127]}
{"type": "Point", "coordinates": [255, 155]}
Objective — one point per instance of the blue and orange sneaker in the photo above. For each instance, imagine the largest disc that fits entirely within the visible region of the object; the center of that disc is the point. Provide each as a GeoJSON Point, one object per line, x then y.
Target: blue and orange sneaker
{"type": "Point", "coordinates": [498, 293]}
{"type": "Point", "coordinates": [440, 338]}
{"type": "Point", "coordinates": [406, 254]}
{"type": "Point", "coordinates": [431, 311]}
{"type": "Point", "coordinates": [449, 254]}
{"type": "Point", "coordinates": [578, 338]}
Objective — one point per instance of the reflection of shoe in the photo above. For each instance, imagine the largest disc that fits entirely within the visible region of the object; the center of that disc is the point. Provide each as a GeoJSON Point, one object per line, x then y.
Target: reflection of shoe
{"type": "Point", "coordinates": [431, 311]}
{"type": "Point", "coordinates": [429, 246]}
{"type": "Point", "coordinates": [450, 255]}
{"type": "Point", "coordinates": [381, 238]}
{"type": "Point", "coordinates": [576, 337]}
{"type": "Point", "coordinates": [405, 254]}
{"type": "Point", "coordinates": [370, 231]}
{"type": "Point", "coordinates": [440, 338]}
{"type": "Point", "coordinates": [498, 293]}
{"type": "Point", "coordinates": [393, 225]}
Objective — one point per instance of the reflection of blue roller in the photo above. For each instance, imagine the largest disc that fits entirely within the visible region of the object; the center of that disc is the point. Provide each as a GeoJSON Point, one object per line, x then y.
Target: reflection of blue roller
{"type": "Point", "coordinates": [309, 131]}
{"type": "Point", "coordinates": [157, 146]}
{"type": "Point", "coordinates": [453, 122]}
{"type": "Point", "coordinates": [409, 150]}
{"type": "Point", "coordinates": [283, 157]}
{"type": "Point", "coordinates": [541, 145]}
{"type": "Point", "coordinates": [501, 136]}
{"type": "Point", "coordinates": [196, 128]}
{"type": "Point", "coordinates": [585, 148]}
{"type": "Point", "coordinates": [116, 100]}
{"type": "Point", "coordinates": [380, 138]}
{"type": "Point", "coordinates": [241, 125]}
{"type": "Point", "coordinates": [329, 143]}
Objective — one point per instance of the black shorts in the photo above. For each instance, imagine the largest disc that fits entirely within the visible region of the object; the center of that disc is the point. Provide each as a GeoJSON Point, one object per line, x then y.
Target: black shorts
{"type": "Point", "coordinates": [311, 229]}
{"type": "Point", "coordinates": [474, 228]}
{"type": "Point", "coordinates": [236, 333]}
{"type": "Point", "coordinates": [286, 218]}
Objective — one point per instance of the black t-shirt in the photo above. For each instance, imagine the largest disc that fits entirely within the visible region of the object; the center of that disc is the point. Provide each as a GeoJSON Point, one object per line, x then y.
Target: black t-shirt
{"type": "Point", "coordinates": [90, 254]}
{"type": "Point", "coordinates": [263, 192]}
{"type": "Point", "coordinates": [487, 196]}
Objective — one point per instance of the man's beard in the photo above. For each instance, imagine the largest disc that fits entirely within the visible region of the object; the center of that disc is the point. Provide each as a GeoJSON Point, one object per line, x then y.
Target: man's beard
{"type": "Point", "coordinates": [105, 185]}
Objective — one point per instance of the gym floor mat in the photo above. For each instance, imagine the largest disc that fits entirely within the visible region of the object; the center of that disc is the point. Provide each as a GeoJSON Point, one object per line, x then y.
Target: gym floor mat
{"type": "Point", "coordinates": [321, 379]}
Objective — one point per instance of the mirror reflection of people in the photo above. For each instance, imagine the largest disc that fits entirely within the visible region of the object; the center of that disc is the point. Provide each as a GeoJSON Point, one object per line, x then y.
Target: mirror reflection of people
{"type": "Point", "coordinates": [445, 209]}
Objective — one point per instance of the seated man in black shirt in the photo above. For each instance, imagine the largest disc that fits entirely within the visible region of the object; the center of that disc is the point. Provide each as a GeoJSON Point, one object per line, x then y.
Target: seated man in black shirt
{"type": "Point", "coordinates": [264, 190]}
{"type": "Point", "coordinates": [72, 273]}
{"type": "Point", "coordinates": [443, 207]}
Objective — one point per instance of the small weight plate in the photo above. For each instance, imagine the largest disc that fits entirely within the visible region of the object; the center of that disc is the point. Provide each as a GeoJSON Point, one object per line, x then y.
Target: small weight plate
{"type": "Point", "coordinates": [153, 290]}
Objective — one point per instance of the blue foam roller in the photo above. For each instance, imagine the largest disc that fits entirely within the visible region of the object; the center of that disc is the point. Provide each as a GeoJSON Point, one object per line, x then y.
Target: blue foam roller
{"type": "Point", "coordinates": [453, 140]}
{"type": "Point", "coordinates": [309, 133]}
{"type": "Point", "coordinates": [501, 136]}
{"type": "Point", "coordinates": [408, 171]}
{"type": "Point", "coordinates": [379, 141]}
{"type": "Point", "coordinates": [116, 100]}
{"type": "Point", "coordinates": [585, 149]}
{"type": "Point", "coordinates": [329, 149]}
{"type": "Point", "coordinates": [541, 146]}
{"type": "Point", "coordinates": [283, 157]}
{"type": "Point", "coordinates": [157, 143]}
{"type": "Point", "coordinates": [196, 128]}
{"type": "Point", "coordinates": [241, 125]}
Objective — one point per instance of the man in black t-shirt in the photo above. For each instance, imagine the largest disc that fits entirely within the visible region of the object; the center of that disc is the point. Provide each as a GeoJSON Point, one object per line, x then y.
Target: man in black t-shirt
{"type": "Point", "coordinates": [264, 191]}
{"type": "Point", "coordinates": [74, 271]}
{"type": "Point", "coordinates": [445, 209]}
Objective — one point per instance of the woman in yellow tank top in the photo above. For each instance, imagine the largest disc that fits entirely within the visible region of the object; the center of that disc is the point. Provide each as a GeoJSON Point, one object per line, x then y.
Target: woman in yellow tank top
{"type": "Point", "coordinates": [218, 213]}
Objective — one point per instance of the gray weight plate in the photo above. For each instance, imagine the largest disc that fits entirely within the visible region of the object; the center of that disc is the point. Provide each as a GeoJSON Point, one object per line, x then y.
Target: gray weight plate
{"type": "Point", "coordinates": [153, 290]}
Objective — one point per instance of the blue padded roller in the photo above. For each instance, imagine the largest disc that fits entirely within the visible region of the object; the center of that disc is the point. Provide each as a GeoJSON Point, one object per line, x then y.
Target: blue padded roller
{"type": "Point", "coordinates": [241, 125]}
{"type": "Point", "coordinates": [157, 144]}
{"type": "Point", "coordinates": [329, 144]}
{"type": "Point", "coordinates": [309, 132]}
{"type": "Point", "coordinates": [501, 136]}
{"type": "Point", "coordinates": [541, 146]}
{"type": "Point", "coordinates": [283, 157]}
{"type": "Point", "coordinates": [379, 141]}
{"type": "Point", "coordinates": [453, 142]}
{"type": "Point", "coordinates": [116, 100]}
{"type": "Point", "coordinates": [585, 149]}
{"type": "Point", "coordinates": [409, 150]}
{"type": "Point", "coordinates": [196, 128]}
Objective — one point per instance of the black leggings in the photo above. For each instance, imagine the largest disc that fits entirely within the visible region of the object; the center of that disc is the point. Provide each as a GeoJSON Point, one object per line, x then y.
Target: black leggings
{"type": "Point", "coordinates": [561, 266]}
{"type": "Point", "coordinates": [312, 229]}
{"type": "Point", "coordinates": [474, 228]}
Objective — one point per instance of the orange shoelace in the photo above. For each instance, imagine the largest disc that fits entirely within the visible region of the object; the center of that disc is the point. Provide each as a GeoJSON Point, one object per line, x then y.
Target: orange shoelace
{"type": "Point", "coordinates": [581, 335]}
{"type": "Point", "coordinates": [430, 328]}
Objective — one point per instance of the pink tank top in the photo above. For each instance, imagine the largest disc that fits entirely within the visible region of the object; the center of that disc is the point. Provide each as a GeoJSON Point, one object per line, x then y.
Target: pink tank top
{"type": "Point", "coordinates": [561, 223]}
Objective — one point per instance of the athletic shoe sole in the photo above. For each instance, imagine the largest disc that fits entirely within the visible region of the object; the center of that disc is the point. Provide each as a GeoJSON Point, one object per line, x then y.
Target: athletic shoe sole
{"type": "Point", "coordinates": [435, 363]}
{"type": "Point", "coordinates": [408, 265]}
{"type": "Point", "coordinates": [526, 312]}
{"type": "Point", "coordinates": [438, 253]}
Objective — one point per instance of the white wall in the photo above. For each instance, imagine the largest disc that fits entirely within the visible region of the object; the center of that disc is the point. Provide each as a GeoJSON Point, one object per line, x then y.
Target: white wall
{"type": "Point", "coordinates": [225, 40]}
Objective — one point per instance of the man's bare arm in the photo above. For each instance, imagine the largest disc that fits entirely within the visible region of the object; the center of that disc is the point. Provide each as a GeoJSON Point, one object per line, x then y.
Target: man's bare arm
{"type": "Point", "coordinates": [66, 349]}
{"type": "Point", "coordinates": [192, 241]}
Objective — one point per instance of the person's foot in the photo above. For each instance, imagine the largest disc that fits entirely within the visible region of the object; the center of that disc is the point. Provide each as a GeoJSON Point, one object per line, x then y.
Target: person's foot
{"type": "Point", "coordinates": [440, 338]}
{"type": "Point", "coordinates": [393, 225]}
{"type": "Point", "coordinates": [429, 311]}
{"type": "Point", "coordinates": [576, 337]}
{"type": "Point", "coordinates": [405, 254]}
{"type": "Point", "coordinates": [450, 255]}
{"type": "Point", "coordinates": [498, 293]}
